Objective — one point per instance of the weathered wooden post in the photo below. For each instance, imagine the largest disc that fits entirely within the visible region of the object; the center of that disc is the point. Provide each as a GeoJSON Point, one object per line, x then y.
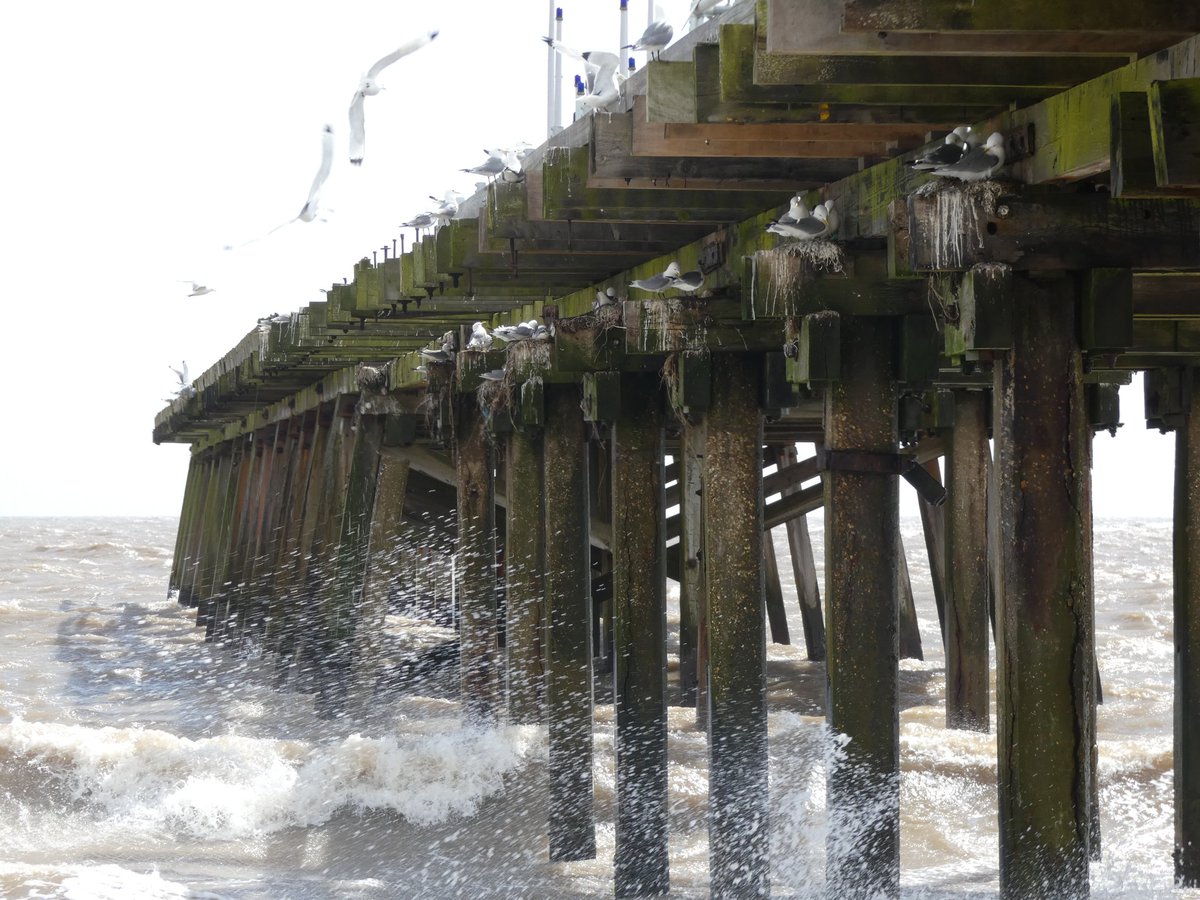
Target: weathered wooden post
{"type": "Point", "coordinates": [569, 639]}
{"type": "Point", "coordinates": [524, 563]}
{"type": "Point", "coordinates": [909, 633]}
{"type": "Point", "coordinates": [349, 563]}
{"type": "Point", "coordinates": [693, 588]}
{"type": "Point", "coordinates": [475, 561]}
{"type": "Point", "coordinates": [1187, 637]}
{"type": "Point", "coordinates": [967, 634]}
{"type": "Point", "coordinates": [639, 621]}
{"type": "Point", "coordinates": [1045, 658]}
{"type": "Point", "coordinates": [193, 524]}
{"type": "Point", "coordinates": [733, 542]}
{"type": "Point", "coordinates": [280, 579]}
{"type": "Point", "coordinates": [933, 526]}
{"type": "Point", "coordinates": [195, 475]}
{"type": "Point", "coordinates": [383, 565]}
{"type": "Point", "coordinates": [804, 569]}
{"type": "Point", "coordinates": [213, 531]}
{"type": "Point", "coordinates": [861, 523]}
{"type": "Point", "coordinates": [773, 593]}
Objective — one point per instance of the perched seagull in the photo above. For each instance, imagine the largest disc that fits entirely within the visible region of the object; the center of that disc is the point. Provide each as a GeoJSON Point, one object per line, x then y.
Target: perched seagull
{"type": "Point", "coordinates": [978, 163]}
{"type": "Point", "coordinates": [813, 226]}
{"type": "Point", "coordinates": [493, 375]}
{"type": "Point", "coordinates": [369, 87]}
{"type": "Point", "coordinates": [198, 290]}
{"type": "Point", "coordinates": [602, 68]}
{"type": "Point", "coordinates": [797, 210]}
{"type": "Point", "coordinates": [607, 297]}
{"type": "Point", "coordinates": [308, 212]}
{"type": "Point", "coordinates": [657, 283]}
{"type": "Point", "coordinates": [540, 333]}
{"type": "Point", "coordinates": [447, 207]}
{"type": "Point", "coordinates": [688, 282]}
{"type": "Point", "coordinates": [832, 219]}
{"type": "Point", "coordinates": [522, 331]}
{"type": "Point", "coordinates": [480, 339]}
{"type": "Point", "coordinates": [653, 40]}
{"type": "Point", "coordinates": [503, 164]}
{"type": "Point", "coordinates": [950, 151]}
{"type": "Point", "coordinates": [419, 222]}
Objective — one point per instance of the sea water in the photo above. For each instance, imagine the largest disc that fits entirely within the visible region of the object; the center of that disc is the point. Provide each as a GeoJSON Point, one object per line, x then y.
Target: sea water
{"type": "Point", "coordinates": [138, 761]}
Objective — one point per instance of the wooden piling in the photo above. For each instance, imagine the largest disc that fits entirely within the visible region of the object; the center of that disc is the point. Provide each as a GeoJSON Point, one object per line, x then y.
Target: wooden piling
{"type": "Point", "coordinates": [933, 526]}
{"type": "Point", "coordinates": [967, 635]}
{"type": "Point", "coordinates": [382, 571]}
{"type": "Point", "coordinates": [773, 593]}
{"type": "Point", "coordinates": [640, 665]}
{"type": "Point", "coordinates": [524, 564]}
{"type": "Point", "coordinates": [1187, 640]}
{"type": "Point", "coordinates": [1045, 658]}
{"type": "Point", "coordinates": [194, 526]}
{"type": "Point", "coordinates": [190, 486]}
{"type": "Point", "coordinates": [909, 632]}
{"type": "Point", "coordinates": [475, 563]}
{"type": "Point", "coordinates": [733, 542]}
{"type": "Point", "coordinates": [861, 523]}
{"type": "Point", "coordinates": [693, 586]}
{"type": "Point", "coordinates": [804, 569]}
{"type": "Point", "coordinates": [568, 615]}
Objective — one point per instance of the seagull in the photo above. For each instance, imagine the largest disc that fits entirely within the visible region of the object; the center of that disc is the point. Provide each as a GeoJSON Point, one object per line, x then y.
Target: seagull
{"type": "Point", "coordinates": [503, 164]}
{"type": "Point", "coordinates": [978, 163]}
{"type": "Point", "coordinates": [480, 339]}
{"type": "Point", "coordinates": [657, 283]}
{"type": "Point", "coordinates": [419, 222]}
{"type": "Point", "coordinates": [602, 70]}
{"type": "Point", "coordinates": [950, 151]}
{"type": "Point", "coordinates": [369, 87]}
{"type": "Point", "coordinates": [198, 290]}
{"type": "Point", "coordinates": [797, 210]}
{"type": "Point", "coordinates": [832, 219]}
{"type": "Point", "coordinates": [607, 297]}
{"type": "Point", "coordinates": [308, 212]}
{"type": "Point", "coordinates": [654, 39]}
{"type": "Point", "coordinates": [706, 8]}
{"type": "Point", "coordinates": [447, 207]}
{"type": "Point", "coordinates": [540, 333]}
{"type": "Point", "coordinates": [804, 229]}
{"type": "Point", "coordinates": [688, 282]}
{"type": "Point", "coordinates": [181, 373]}
{"type": "Point", "coordinates": [493, 375]}
{"type": "Point", "coordinates": [522, 331]}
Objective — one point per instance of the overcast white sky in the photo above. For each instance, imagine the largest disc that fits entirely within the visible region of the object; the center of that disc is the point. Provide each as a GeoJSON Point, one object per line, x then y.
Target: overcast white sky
{"type": "Point", "coordinates": [142, 137]}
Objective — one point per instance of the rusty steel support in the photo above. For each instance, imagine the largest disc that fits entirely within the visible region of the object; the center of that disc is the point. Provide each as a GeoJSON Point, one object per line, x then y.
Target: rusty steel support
{"type": "Point", "coordinates": [1046, 700]}
{"type": "Point", "coordinates": [861, 524]}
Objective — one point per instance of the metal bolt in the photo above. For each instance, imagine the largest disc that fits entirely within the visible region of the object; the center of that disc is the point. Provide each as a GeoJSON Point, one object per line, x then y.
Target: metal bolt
{"type": "Point", "coordinates": [1002, 211]}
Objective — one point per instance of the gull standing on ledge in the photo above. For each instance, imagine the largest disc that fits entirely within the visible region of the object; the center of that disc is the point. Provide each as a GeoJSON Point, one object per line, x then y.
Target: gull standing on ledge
{"type": "Point", "coordinates": [658, 283]}
{"type": "Point", "coordinates": [803, 229]}
{"type": "Point", "coordinates": [977, 164]}
{"type": "Point", "coordinates": [653, 40]}
{"type": "Point", "coordinates": [949, 151]}
{"type": "Point", "coordinates": [480, 339]}
{"type": "Point", "coordinates": [369, 87]}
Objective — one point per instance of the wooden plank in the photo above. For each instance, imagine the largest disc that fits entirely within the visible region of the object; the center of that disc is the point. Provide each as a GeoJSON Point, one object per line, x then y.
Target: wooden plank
{"type": "Point", "coordinates": [1017, 15]}
{"type": "Point", "coordinates": [815, 26]}
{"type": "Point", "coordinates": [1132, 152]}
{"type": "Point", "coordinates": [1175, 134]}
{"type": "Point", "coordinates": [956, 228]}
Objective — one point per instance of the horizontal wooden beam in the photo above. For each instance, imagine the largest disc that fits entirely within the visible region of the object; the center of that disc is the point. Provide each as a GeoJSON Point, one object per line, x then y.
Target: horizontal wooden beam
{"type": "Point", "coordinates": [1019, 15]}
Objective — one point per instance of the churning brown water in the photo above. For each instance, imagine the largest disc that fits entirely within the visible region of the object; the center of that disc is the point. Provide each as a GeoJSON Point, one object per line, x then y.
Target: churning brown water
{"type": "Point", "coordinates": [136, 761]}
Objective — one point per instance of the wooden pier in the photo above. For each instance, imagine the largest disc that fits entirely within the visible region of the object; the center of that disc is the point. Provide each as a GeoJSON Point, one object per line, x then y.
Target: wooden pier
{"type": "Point", "coordinates": [335, 472]}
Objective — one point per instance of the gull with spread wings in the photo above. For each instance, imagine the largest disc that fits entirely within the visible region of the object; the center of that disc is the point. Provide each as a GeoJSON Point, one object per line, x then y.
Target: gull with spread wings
{"type": "Point", "coordinates": [369, 86]}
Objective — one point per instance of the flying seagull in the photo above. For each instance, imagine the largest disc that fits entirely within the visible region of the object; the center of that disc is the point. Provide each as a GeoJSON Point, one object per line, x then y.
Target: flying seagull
{"type": "Point", "coordinates": [656, 284]}
{"type": "Point", "coordinates": [308, 212]}
{"type": "Point", "coordinates": [951, 150]}
{"type": "Point", "coordinates": [198, 290]}
{"type": "Point", "coordinates": [369, 87]}
{"type": "Point", "coordinates": [654, 39]}
{"type": "Point", "coordinates": [979, 163]}
{"type": "Point", "coordinates": [602, 68]}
